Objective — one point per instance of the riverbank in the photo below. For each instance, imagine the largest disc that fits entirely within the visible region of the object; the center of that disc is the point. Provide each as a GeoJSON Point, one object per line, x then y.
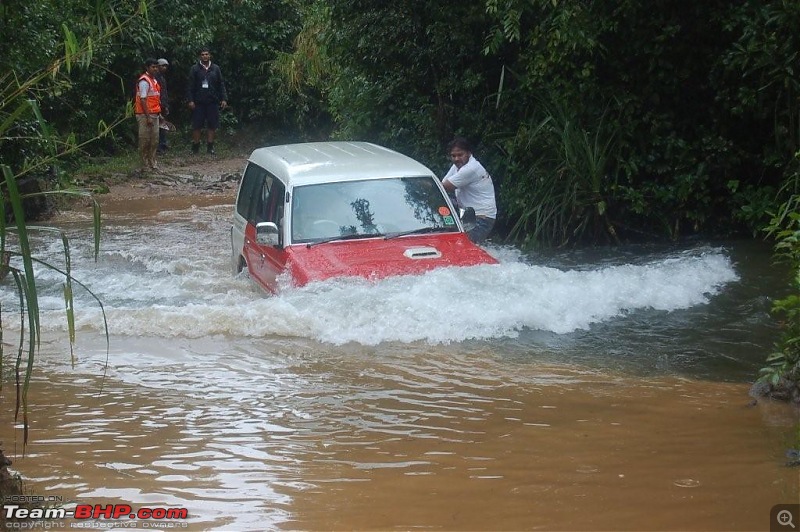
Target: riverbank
{"type": "Point", "coordinates": [178, 175]}
{"type": "Point", "coordinates": [10, 485]}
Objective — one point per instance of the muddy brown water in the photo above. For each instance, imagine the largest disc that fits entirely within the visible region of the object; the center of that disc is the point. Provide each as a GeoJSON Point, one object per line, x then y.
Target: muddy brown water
{"type": "Point", "coordinates": [456, 401]}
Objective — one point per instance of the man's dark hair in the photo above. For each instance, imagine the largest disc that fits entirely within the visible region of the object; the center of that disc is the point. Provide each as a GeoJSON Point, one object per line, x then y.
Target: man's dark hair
{"type": "Point", "coordinates": [203, 49]}
{"type": "Point", "coordinates": [150, 62]}
{"type": "Point", "coordinates": [461, 143]}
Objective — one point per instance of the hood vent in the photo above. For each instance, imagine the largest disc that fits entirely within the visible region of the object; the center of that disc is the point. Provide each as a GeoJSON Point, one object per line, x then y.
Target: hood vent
{"type": "Point", "coordinates": [426, 252]}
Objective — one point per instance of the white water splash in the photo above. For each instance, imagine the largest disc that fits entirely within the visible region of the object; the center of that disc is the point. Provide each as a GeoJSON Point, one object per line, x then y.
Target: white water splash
{"type": "Point", "coordinates": [173, 280]}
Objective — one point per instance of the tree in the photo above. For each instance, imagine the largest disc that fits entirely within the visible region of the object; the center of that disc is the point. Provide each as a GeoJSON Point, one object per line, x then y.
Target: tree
{"type": "Point", "coordinates": [409, 74]}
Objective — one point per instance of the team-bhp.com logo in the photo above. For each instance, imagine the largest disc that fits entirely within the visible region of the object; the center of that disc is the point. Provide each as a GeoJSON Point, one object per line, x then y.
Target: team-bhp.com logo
{"type": "Point", "coordinates": [18, 516]}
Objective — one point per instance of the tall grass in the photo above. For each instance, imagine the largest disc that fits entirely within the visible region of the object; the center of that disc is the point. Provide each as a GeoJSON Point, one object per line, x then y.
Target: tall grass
{"type": "Point", "coordinates": [567, 169]}
{"type": "Point", "coordinates": [18, 264]}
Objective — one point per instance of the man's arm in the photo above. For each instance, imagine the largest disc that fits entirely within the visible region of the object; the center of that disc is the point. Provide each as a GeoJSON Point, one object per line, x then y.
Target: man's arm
{"type": "Point", "coordinates": [448, 186]}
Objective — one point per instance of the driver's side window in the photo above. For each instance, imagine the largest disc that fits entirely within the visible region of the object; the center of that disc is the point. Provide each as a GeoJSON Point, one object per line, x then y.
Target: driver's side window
{"type": "Point", "coordinates": [273, 193]}
{"type": "Point", "coordinates": [251, 194]}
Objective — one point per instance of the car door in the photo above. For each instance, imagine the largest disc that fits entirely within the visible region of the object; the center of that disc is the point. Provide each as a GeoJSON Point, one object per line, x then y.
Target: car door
{"type": "Point", "coordinates": [265, 262]}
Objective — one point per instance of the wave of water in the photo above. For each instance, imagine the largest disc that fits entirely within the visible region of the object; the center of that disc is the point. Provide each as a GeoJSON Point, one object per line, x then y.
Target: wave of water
{"type": "Point", "coordinates": [172, 279]}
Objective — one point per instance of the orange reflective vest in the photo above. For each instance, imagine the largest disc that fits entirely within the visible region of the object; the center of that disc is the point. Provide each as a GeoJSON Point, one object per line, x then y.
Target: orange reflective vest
{"type": "Point", "coordinates": [153, 100]}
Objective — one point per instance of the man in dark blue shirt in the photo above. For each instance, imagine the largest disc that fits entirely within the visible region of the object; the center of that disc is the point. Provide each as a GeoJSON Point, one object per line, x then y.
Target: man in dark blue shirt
{"type": "Point", "coordinates": [207, 95]}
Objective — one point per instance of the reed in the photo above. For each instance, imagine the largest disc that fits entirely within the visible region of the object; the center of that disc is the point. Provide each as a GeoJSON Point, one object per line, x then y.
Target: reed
{"type": "Point", "coordinates": [567, 169]}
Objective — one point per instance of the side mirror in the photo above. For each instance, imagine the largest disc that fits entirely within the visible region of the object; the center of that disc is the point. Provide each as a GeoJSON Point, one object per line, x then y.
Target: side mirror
{"type": "Point", "coordinates": [267, 233]}
{"type": "Point", "coordinates": [467, 215]}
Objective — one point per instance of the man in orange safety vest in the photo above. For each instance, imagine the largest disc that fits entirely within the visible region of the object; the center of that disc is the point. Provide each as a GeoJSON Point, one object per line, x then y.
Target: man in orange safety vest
{"type": "Point", "coordinates": [147, 107]}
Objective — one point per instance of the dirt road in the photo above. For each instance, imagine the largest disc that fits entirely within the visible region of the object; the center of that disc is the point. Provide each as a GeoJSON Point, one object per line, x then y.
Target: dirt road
{"type": "Point", "coordinates": [178, 176]}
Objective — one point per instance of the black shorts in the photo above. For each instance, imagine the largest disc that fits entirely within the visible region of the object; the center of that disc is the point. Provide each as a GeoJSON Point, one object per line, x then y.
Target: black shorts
{"type": "Point", "coordinates": [205, 114]}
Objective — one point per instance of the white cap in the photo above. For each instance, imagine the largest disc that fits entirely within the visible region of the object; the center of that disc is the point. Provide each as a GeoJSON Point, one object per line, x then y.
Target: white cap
{"type": "Point", "coordinates": [163, 61]}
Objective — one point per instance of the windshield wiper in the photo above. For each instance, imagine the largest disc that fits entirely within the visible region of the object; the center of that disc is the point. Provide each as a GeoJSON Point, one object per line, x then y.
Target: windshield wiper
{"type": "Point", "coordinates": [420, 231]}
{"type": "Point", "coordinates": [353, 236]}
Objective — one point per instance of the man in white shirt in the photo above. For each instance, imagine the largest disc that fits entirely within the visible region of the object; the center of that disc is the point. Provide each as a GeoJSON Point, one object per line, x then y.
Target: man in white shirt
{"type": "Point", "coordinates": [473, 187]}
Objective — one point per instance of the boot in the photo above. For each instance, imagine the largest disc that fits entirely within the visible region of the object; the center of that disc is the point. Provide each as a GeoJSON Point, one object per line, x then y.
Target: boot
{"type": "Point", "coordinates": [210, 149]}
{"type": "Point", "coordinates": [195, 147]}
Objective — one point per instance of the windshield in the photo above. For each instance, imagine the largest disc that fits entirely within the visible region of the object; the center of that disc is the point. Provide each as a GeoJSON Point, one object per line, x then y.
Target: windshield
{"type": "Point", "coordinates": [367, 208]}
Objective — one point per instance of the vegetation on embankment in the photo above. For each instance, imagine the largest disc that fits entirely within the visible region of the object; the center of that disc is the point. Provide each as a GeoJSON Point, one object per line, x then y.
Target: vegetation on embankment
{"type": "Point", "coordinates": [781, 377]}
{"type": "Point", "coordinates": [600, 122]}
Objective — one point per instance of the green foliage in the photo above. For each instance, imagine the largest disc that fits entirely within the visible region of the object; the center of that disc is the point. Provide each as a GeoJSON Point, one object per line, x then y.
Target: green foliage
{"type": "Point", "coordinates": [409, 75]}
{"type": "Point", "coordinates": [783, 365]}
{"type": "Point", "coordinates": [691, 112]}
{"type": "Point", "coordinates": [306, 72]}
{"type": "Point", "coordinates": [563, 175]}
{"type": "Point", "coordinates": [245, 38]}
{"type": "Point", "coordinates": [756, 78]}
{"type": "Point", "coordinates": [71, 99]}
{"type": "Point", "coordinates": [703, 101]}
{"type": "Point", "coordinates": [757, 100]}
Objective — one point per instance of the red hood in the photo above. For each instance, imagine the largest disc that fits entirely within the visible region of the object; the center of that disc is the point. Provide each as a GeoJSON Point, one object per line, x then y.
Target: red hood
{"type": "Point", "coordinates": [376, 258]}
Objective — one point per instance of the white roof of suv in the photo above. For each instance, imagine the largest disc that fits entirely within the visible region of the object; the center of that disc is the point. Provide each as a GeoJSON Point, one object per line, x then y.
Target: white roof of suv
{"type": "Point", "coordinates": [323, 162]}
